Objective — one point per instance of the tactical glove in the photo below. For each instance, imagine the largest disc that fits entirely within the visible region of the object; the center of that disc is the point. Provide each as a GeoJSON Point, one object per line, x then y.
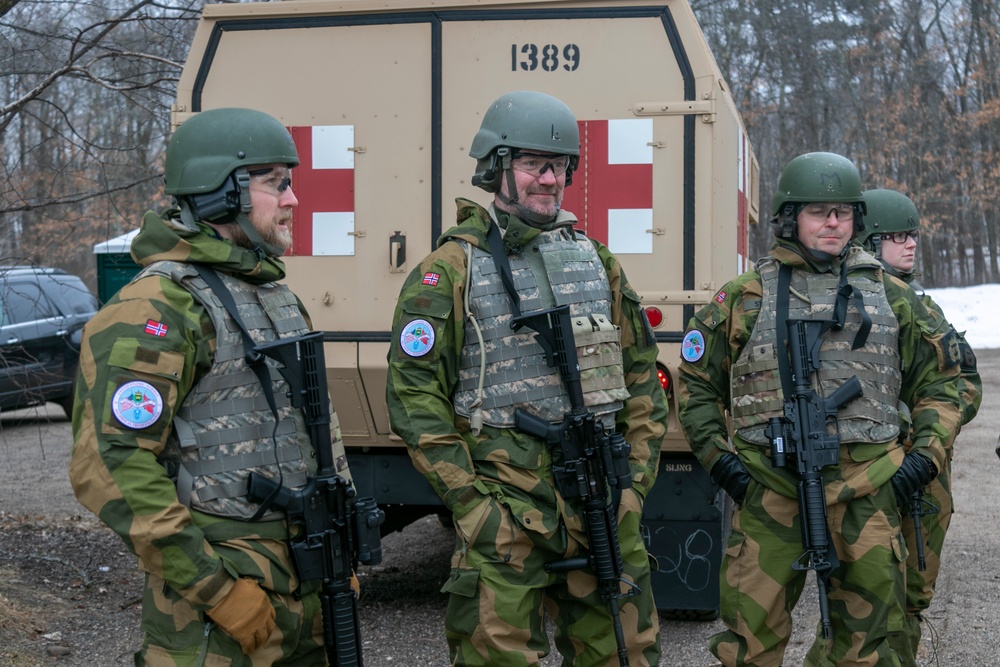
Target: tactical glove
{"type": "Point", "coordinates": [916, 472]}
{"type": "Point", "coordinates": [245, 614]}
{"type": "Point", "coordinates": [730, 473]}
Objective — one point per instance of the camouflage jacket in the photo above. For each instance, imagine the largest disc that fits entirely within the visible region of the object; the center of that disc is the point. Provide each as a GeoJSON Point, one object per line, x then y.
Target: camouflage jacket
{"type": "Point", "coordinates": [928, 388]}
{"type": "Point", "coordinates": [155, 333]}
{"type": "Point", "coordinates": [513, 467]}
{"type": "Point", "coordinates": [970, 385]}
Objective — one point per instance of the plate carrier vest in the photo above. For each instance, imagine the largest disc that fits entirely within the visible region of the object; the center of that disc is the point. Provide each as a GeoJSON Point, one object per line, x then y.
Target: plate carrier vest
{"type": "Point", "coordinates": [223, 430]}
{"type": "Point", "coordinates": [755, 382]}
{"type": "Point", "coordinates": [516, 370]}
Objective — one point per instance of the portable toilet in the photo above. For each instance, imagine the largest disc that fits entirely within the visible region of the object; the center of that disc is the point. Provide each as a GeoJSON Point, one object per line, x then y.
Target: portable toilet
{"type": "Point", "coordinates": [115, 267]}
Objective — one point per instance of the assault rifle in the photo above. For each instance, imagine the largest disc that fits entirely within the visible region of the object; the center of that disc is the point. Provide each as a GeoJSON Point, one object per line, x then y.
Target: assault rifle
{"type": "Point", "coordinates": [330, 530]}
{"type": "Point", "coordinates": [808, 434]}
{"type": "Point", "coordinates": [587, 464]}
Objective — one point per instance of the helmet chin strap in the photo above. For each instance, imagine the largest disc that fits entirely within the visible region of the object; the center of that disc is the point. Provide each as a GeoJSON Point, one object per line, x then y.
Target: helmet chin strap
{"type": "Point", "coordinates": [519, 209]}
{"type": "Point", "coordinates": [261, 248]}
{"type": "Point", "coordinates": [516, 207]}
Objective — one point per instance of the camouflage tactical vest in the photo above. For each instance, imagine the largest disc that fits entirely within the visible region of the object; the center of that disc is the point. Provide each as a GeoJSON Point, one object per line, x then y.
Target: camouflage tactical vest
{"type": "Point", "coordinates": [223, 430]}
{"type": "Point", "coordinates": [517, 373]}
{"type": "Point", "coordinates": [755, 382]}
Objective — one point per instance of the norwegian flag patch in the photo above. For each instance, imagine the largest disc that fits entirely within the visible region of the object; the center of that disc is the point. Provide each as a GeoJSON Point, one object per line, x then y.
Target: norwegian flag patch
{"type": "Point", "coordinates": [431, 278]}
{"type": "Point", "coordinates": [720, 297]}
{"type": "Point", "coordinates": [154, 328]}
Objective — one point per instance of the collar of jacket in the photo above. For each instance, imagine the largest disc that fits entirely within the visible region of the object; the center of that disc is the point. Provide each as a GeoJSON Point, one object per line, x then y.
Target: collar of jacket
{"type": "Point", "coordinates": [163, 237]}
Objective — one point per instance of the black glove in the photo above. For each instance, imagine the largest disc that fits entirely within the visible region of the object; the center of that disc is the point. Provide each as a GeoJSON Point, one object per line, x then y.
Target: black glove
{"type": "Point", "coordinates": [730, 473]}
{"type": "Point", "coordinates": [916, 472]}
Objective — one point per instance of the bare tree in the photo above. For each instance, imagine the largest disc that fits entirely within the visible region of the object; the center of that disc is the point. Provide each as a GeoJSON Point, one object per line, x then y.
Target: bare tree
{"type": "Point", "coordinates": [89, 88]}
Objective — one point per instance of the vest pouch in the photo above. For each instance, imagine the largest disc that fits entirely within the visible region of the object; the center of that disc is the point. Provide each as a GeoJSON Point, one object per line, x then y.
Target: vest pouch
{"type": "Point", "coordinates": [599, 353]}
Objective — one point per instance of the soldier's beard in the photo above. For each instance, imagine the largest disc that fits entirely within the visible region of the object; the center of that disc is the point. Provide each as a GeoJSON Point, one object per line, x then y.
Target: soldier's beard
{"type": "Point", "coordinates": [277, 233]}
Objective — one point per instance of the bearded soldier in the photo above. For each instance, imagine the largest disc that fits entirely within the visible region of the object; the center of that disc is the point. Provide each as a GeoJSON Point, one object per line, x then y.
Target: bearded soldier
{"type": "Point", "coordinates": [171, 420]}
{"type": "Point", "coordinates": [458, 374]}
{"type": "Point", "coordinates": [875, 329]}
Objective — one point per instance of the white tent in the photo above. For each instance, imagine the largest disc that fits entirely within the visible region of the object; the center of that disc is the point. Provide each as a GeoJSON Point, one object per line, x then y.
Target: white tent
{"type": "Point", "coordinates": [118, 244]}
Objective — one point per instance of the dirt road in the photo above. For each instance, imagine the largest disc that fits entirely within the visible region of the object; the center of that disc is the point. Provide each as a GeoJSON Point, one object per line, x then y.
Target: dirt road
{"type": "Point", "coordinates": [69, 591]}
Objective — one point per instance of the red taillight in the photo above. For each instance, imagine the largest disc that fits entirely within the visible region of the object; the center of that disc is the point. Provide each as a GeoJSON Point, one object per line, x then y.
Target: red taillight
{"type": "Point", "coordinates": [655, 316]}
{"type": "Point", "coordinates": [664, 377]}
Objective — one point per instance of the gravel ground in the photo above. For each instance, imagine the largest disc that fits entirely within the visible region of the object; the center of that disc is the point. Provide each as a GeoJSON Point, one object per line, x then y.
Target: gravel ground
{"type": "Point", "coordinates": [69, 591]}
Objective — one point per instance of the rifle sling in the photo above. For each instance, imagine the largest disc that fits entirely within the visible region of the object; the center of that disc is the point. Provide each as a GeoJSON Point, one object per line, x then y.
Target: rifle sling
{"type": "Point", "coordinates": [781, 324]}
{"type": "Point", "coordinates": [503, 266]}
{"type": "Point", "coordinates": [255, 361]}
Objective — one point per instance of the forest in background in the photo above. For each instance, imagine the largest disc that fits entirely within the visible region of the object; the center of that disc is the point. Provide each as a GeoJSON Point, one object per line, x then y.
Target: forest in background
{"type": "Point", "coordinates": [908, 89]}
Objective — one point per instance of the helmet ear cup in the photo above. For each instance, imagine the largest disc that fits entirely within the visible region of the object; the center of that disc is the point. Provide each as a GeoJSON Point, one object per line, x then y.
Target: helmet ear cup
{"type": "Point", "coordinates": [486, 176]}
{"type": "Point", "coordinates": [219, 206]}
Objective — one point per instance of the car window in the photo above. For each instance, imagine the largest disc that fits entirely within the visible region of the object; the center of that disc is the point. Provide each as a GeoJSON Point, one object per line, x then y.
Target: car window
{"type": "Point", "coordinates": [24, 302]}
{"type": "Point", "coordinates": [72, 293]}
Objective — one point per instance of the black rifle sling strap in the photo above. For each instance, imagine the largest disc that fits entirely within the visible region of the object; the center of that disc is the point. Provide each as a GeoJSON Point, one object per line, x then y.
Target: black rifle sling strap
{"type": "Point", "coordinates": [255, 361]}
{"type": "Point", "coordinates": [845, 291]}
{"type": "Point", "coordinates": [499, 253]}
{"type": "Point", "coordinates": [781, 327]}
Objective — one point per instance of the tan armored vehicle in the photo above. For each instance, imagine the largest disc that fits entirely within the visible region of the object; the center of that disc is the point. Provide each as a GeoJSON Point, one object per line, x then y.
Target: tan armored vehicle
{"type": "Point", "coordinates": [383, 99]}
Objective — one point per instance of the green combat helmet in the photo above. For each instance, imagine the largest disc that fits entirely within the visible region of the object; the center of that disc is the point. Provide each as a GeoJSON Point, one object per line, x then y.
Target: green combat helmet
{"type": "Point", "coordinates": [888, 211]}
{"type": "Point", "coordinates": [207, 166]}
{"type": "Point", "coordinates": [525, 120]}
{"type": "Point", "coordinates": [816, 177]}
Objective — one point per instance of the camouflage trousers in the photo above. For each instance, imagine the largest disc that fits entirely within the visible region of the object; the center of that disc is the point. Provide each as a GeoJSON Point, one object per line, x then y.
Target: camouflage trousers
{"type": "Point", "coordinates": [176, 635]}
{"type": "Point", "coordinates": [500, 592]}
{"type": "Point", "coordinates": [759, 588]}
{"type": "Point", "coordinates": [919, 585]}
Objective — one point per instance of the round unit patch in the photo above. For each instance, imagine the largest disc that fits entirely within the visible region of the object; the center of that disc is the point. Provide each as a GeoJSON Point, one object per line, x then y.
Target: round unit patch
{"type": "Point", "coordinates": [693, 346]}
{"type": "Point", "coordinates": [137, 404]}
{"type": "Point", "coordinates": [417, 338]}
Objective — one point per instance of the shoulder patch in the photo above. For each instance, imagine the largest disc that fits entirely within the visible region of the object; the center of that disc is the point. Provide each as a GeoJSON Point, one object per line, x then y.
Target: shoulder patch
{"type": "Point", "coordinates": [431, 279]}
{"type": "Point", "coordinates": [417, 338]}
{"type": "Point", "coordinates": [137, 404]}
{"type": "Point", "coordinates": [951, 344]}
{"type": "Point", "coordinates": [693, 346]}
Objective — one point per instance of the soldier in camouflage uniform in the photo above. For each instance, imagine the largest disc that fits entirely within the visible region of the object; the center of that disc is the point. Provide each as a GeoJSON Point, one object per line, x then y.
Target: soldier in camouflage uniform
{"type": "Point", "coordinates": [170, 421]}
{"type": "Point", "coordinates": [892, 229]}
{"type": "Point", "coordinates": [457, 372]}
{"type": "Point", "coordinates": [883, 335]}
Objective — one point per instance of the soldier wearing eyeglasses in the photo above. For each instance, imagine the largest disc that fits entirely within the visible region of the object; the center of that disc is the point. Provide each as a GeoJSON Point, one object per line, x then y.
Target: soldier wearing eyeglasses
{"type": "Point", "coordinates": [892, 235]}
{"type": "Point", "coordinates": [878, 331]}
{"type": "Point", "coordinates": [458, 372]}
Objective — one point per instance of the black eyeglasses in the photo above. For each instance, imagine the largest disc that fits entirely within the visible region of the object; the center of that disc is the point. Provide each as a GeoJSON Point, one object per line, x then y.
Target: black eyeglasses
{"type": "Point", "coordinates": [900, 237]}
{"type": "Point", "coordinates": [821, 211]}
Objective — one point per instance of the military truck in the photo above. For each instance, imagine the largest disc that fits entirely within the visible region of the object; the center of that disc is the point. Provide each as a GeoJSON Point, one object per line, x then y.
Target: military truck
{"type": "Point", "coordinates": [383, 100]}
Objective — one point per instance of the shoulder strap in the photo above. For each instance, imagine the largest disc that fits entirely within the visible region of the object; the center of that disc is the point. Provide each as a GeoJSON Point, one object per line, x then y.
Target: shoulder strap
{"type": "Point", "coordinates": [503, 266]}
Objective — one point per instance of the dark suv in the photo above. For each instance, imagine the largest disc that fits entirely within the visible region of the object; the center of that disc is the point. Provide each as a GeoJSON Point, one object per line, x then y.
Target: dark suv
{"type": "Point", "coordinates": [42, 313]}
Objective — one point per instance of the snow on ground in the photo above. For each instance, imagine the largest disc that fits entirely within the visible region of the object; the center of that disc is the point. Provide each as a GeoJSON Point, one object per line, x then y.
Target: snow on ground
{"type": "Point", "coordinates": [975, 310]}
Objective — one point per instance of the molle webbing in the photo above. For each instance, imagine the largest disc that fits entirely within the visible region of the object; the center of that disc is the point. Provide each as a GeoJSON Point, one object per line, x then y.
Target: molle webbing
{"type": "Point", "coordinates": [755, 381]}
{"type": "Point", "coordinates": [517, 371]}
{"type": "Point", "coordinates": [225, 429]}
